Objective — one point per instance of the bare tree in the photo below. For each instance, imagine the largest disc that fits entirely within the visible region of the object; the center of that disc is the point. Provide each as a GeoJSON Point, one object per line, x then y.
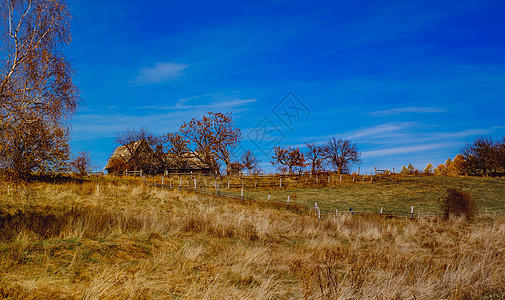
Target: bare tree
{"type": "Point", "coordinates": [36, 89]}
{"type": "Point", "coordinates": [81, 163]}
{"type": "Point", "coordinates": [137, 154]}
{"type": "Point", "coordinates": [212, 138]}
{"type": "Point", "coordinates": [289, 158]}
{"type": "Point", "coordinates": [341, 154]}
{"type": "Point", "coordinates": [249, 161]}
{"type": "Point", "coordinates": [314, 156]}
{"type": "Point", "coordinates": [481, 156]}
{"type": "Point", "coordinates": [177, 151]}
{"type": "Point", "coordinates": [128, 137]}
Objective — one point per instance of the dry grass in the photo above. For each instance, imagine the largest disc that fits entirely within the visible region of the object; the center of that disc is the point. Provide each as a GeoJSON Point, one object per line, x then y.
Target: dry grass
{"type": "Point", "coordinates": [120, 241]}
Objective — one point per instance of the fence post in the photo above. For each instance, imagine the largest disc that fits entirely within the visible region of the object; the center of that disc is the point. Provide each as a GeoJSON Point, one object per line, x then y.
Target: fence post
{"type": "Point", "coordinates": [288, 199]}
{"type": "Point", "coordinates": [352, 177]}
{"type": "Point", "coordinates": [242, 193]}
{"type": "Point", "coordinates": [280, 182]}
{"type": "Point", "coordinates": [328, 179]}
{"type": "Point", "coordinates": [412, 212]}
{"type": "Point", "coordinates": [340, 178]}
{"type": "Point", "coordinates": [194, 183]}
{"type": "Point", "coordinates": [256, 183]}
{"type": "Point", "coordinates": [336, 212]}
{"type": "Point", "coordinates": [317, 210]}
{"type": "Point", "coordinates": [363, 179]}
{"type": "Point", "coordinates": [170, 183]}
{"type": "Point", "coordinates": [242, 184]}
{"type": "Point", "coordinates": [180, 183]}
{"type": "Point", "coordinates": [381, 211]}
{"type": "Point", "coordinates": [268, 198]}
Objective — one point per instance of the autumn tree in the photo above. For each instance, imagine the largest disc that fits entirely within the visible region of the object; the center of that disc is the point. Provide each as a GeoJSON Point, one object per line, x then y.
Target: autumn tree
{"type": "Point", "coordinates": [212, 138]}
{"type": "Point", "coordinates": [249, 161]}
{"type": "Point", "coordinates": [480, 156]}
{"type": "Point", "coordinates": [35, 147]}
{"type": "Point", "coordinates": [314, 156]}
{"type": "Point", "coordinates": [81, 163]}
{"type": "Point", "coordinates": [440, 170]}
{"type": "Point", "coordinates": [428, 170]}
{"type": "Point", "coordinates": [412, 169]}
{"type": "Point", "coordinates": [404, 170]}
{"type": "Point", "coordinates": [289, 158]}
{"type": "Point", "coordinates": [36, 89]}
{"type": "Point", "coordinates": [235, 168]}
{"type": "Point", "coordinates": [341, 154]}
{"type": "Point", "coordinates": [177, 150]}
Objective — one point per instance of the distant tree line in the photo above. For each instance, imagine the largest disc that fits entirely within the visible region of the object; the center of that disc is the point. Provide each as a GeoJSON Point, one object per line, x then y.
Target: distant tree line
{"type": "Point", "coordinates": [483, 157]}
{"type": "Point", "coordinates": [338, 154]}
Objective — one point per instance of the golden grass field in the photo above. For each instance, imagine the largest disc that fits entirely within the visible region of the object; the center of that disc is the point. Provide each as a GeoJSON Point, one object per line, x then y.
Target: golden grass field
{"type": "Point", "coordinates": [110, 240]}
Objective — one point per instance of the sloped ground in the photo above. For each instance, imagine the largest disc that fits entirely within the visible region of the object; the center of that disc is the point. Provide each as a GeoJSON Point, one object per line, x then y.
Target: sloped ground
{"type": "Point", "coordinates": [110, 241]}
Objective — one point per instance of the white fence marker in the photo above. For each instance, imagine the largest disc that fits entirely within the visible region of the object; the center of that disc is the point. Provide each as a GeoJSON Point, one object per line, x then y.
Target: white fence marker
{"type": "Point", "coordinates": [381, 211]}
{"type": "Point", "coordinates": [268, 198]}
{"type": "Point", "coordinates": [340, 178]}
{"type": "Point", "coordinates": [412, 212]}
{"type": "Point", "coordinates": [280, 182]}
{"type": "Point", "coordinates": [194, 182]}
{"type": "Point", "coordinates": [288, 199]}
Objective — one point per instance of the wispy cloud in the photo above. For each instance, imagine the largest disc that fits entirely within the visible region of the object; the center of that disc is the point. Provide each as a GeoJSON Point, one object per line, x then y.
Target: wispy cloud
{"type": "Point", "coordinates": [206, 102]}
{"type": "Point", "coordinates": [403, 110]}
{"type": "Point", "coordinates": [160, 72]}
{"type": "Point", "coordinates": [377, 131]}
{"type": "Point", "coordinates": [401, 150]}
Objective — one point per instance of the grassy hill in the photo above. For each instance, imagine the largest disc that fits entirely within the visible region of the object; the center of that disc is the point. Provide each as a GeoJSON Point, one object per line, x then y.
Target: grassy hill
{"type": "Point", "coordinates": [397, 196]}
{"type": "Point", "coordinates": [108, 240]}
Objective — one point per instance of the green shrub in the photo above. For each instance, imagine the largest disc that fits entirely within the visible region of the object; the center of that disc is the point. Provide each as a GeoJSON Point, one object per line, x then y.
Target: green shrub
{"type": "Point", "coordinates": [458, 203]}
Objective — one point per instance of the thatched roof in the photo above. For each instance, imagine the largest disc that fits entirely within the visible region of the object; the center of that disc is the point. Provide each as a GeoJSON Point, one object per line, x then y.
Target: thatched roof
{"type": "Point", "coordinates": [141, 150]}
{"type": "Point", "coordinates": [127, 152]}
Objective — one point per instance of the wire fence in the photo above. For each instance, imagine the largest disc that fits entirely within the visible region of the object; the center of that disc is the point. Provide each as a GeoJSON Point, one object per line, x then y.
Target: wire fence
{"type": "Point", "coordinates": [230, 191]}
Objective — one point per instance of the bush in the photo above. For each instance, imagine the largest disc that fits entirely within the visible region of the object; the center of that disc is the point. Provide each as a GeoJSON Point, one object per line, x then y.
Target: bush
{"type": "Point", "coordinates": [458, 203]}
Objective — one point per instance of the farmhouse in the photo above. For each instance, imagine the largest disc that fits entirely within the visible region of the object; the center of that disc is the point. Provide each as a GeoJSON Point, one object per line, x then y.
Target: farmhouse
{"type": "Point", "coordinates": [140, 156]}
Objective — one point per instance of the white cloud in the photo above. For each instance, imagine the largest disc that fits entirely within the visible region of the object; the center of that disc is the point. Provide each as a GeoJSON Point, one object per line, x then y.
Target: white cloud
{"type": "Point", "coordinates": [400, 150]}
{"type": "Point", "coordinates": [160, 72]}
{"type": "Point", "coordinates": [403, 110]}
{"type": "Point", "coordinates": [207, 102]}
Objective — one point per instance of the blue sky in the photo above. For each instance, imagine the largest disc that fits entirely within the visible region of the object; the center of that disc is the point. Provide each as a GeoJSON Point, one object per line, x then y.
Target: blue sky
{"type": "Point", "coordinates": [408, 82]}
